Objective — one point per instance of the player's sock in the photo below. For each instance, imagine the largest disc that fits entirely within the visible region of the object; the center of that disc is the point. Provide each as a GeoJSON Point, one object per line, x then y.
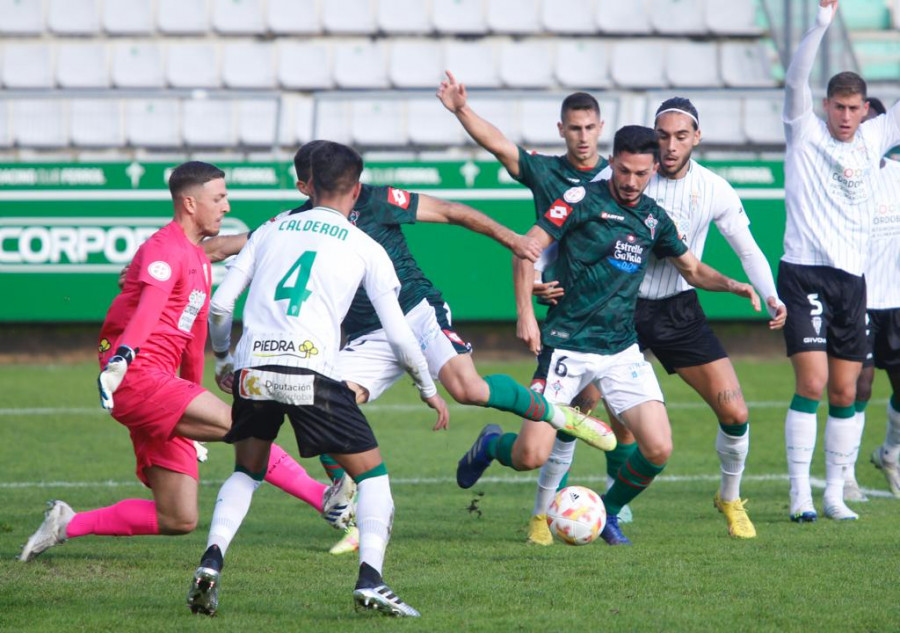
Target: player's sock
{"type": "Point", "coordinates": [232, 504]}
{"type": "Point", "coordinates": [617, 456]}
{"type": "Point", "coordinates": [374, 515]}
{"type": "Point", "coordinates": [284, 472]}
{"type": "Point", "coordinates": [859, 425]}
{"type": "Point", "coordinates": [891, 447]}
{"type": "Point", "coordinates": [632, 479]}
{"type": "Point", "coordinates": [129, 517]}
{"type": "Point", "coordinates": [800, 440]}
{"type": "Point", "coordinates": [332, 468]}
{"type": "Point", "coordinates": [841, 443]}
{"type": "Point", "coordinates": [500, 448]}
{"type": "Point", "coordinates": [552, 472]}
{"type": "Point", "coordinates": [508, 395]}
{"type": "Point", "coordinates": [732, 446]}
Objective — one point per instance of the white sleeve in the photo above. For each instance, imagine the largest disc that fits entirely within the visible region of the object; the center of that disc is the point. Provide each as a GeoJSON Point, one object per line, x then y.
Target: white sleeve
{"type": "Point", "coordinates": [221, 307]}
{"type": "Point", "coordinates": [884, 128]}
{"type": "Point", "coordinates": [797, 95]}
{"type": "Point", "coordinates": [403, 341]}
{"type": "Point", "coordinates": [604, 174]}
{"type": "Point", "coordinates": [755, 264]}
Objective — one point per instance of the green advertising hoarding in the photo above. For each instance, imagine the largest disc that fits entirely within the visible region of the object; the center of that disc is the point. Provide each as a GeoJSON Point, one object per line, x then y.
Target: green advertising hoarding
{"type": "Point", "coordinates": [66, 230]}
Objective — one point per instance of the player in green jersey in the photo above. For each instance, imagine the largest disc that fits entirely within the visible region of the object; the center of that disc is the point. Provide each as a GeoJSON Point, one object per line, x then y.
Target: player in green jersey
{"type": "Point", "coordinates": [606, 232]}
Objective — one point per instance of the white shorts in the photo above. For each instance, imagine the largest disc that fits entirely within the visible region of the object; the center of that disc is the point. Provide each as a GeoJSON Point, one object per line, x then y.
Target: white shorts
{"type": "Point", "coordinates": [625, 379]}
{"type": "Point", "coordinates": [369, 360]}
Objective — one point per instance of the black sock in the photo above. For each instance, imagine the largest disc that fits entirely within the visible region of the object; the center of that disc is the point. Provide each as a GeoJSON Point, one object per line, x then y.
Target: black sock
{"type": "Point", "coordinates": [368, 577]}
{"type": "Point", "coordinates": [212, 558]}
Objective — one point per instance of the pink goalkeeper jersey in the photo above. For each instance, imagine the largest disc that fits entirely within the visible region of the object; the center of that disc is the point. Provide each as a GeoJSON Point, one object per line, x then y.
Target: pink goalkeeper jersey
{"type": "Point", "coordinates": [170, 262]}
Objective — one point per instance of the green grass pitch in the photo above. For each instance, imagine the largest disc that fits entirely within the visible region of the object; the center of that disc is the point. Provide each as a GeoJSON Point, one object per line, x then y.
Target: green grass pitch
{"type": "Point", "coordinates": [464, 570]}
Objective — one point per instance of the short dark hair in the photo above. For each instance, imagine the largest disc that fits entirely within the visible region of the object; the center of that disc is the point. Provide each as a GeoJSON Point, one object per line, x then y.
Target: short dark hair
{"type": "Point", "coordinates": [302, 159]}
{"type": "Point", "coordinates": [335, 168]}
{"type": "Point", "coordinates": [876, 104]}
{"type": "Point", "coordinates": [578, 101]}
{"type": "Point", "coordinates": [191, 174]}
{"type": "Point", "coordinates": [682, 104]}
{"type": "Point", "coordinates": [636, 139]}
{"type": "Point", "coordinates": [846, 83]}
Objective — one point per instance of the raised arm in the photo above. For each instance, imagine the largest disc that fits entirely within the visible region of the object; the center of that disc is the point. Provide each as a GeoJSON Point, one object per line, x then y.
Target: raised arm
{"type": "Point", "coordinates": [441, 211]}
{"type": "Point", "coordinates": [523, 283]}
{"type": "Point", "coordinates": [797, 95]}
{"type": "Point", "coordinates": [455, 98]}
{"type": "Point", "coordinates": [700, 275]}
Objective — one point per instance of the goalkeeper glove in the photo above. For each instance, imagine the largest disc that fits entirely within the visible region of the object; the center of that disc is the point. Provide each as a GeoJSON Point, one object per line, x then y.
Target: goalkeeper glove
{"type": "Point", "coordinates": [113, 374]}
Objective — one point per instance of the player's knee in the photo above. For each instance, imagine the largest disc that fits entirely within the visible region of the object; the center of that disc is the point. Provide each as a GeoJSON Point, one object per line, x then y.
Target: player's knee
{"type": "Point", "coordinates": [735, 413]}
{"type": "Point", "coordinates": [529, 457]}
{"type": "Point", "coordinates": [842, 395]}
{"type": "Point", "coordinates": [178, 523]}
{"type": "Point", "coordinates": [864, 391]}
{"type": "Point", "coordinates": [657, 452]}
{"type": "Point", "coordinates": [811, 387]}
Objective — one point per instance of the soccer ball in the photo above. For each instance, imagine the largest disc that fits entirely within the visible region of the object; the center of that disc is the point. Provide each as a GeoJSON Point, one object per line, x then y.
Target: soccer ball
{"type": "Point", "coordinates": [577, 515]}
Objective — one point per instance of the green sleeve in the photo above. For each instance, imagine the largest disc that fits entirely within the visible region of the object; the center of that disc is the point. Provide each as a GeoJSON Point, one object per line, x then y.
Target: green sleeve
{"type": "Point", "coordinates": [393, 205]}
{"type": "Point", "coordinates": [527, 165]}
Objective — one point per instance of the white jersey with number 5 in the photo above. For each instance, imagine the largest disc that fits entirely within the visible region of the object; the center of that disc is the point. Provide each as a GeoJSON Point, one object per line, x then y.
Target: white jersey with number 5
{"type": "Point", "coordinates": [883, 268]}
{"type": "Point", "coordinates": [303, 270]}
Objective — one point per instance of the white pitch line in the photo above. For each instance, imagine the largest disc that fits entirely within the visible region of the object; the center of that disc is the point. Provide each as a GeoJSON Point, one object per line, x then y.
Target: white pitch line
{"type": "Point", "coordinates": [437, 481]}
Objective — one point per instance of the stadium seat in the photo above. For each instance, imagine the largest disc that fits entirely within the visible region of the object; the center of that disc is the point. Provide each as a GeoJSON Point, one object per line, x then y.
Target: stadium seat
{"type": "Point", "coordinates": [735, 17]}
{"type": "Point", "coordinates": [582, 63]}
{"type": "Point", "coordinates": [609, 114]}
{"type": "Point", "coordinates": [96, 123]}
{"type": "Point", "coordinates": [538, 120]}
{"type": "Point", "coordinates": [21, 17]}
{"type": "Point", "coordinates": [629, 17]}
{"type": "Point", "coordinates": [295, 125]}
{"type": "Point", "coordinates": [136, 65]}
{"type": "Point", "coordinates": [5, 135]}
{"type": "Point", "coordinates": [333, 118]}
{"type": "Point", "coordinates": [403, 16]}
{"type": "Point", "coordinates": [27, 66]}
{"type": "Point", "coordinates": [569, 17]}
{"type": "Point", "coordinates": [865, 15]}
{"type": "Point", "coordinates": [257, 121]}
{"type": "Point", "coordinates": [293, 17]}
{"type": "Point", "coordinates": [692, 64]}
{"type": "Point", "coordinates": [248, 65]}
{"type": "Point", "coordinates": [527, 64]}
{"type": "Point", "coordinates": [360, 63]}
{"type": "Point", "coordinates": [153, 123]}
{"type": "Point", "coordinates": [459, 17]}
{"type": "Point", "coordinates": [429, 124]}
{"type": "Point", "coordinates": [473, 63]}
{"type": "Point", "coordinates": [745, 65]}
{"type": "Point", "coordinates": [503, 113]}
{"type": "Point", "coordinates": [73, 17]}
{"type": "Point", "coordinates": [304, 65]}
{"type": "Point", "coordinates": [638, 63]}
{"type": "Point", "coordinates": [82, 66]}
{"type": "Point", "coordinates": [678, 17]}
{"type": "Point", "coordinates": [895, 14]}
{"type": "Point", "coordinates": [238, 17]}
{"type": "Point", "coordinates": [183, 17]}
{"type": "Point", "coordinates": [513, 16]}
{"type": "Point", "coordinates": [721, 120]}
{"type": "Point", "coordinates": [192, 65]}
{"type": "Point", "coordinates": [351, 17]}
{"type": "Point", "coordinates": [208, 123]}
{"type": "Point", "coordinates": [128, 17]}
{"type": "Point", "coordinates": [39, 123]}
{"type": "Point", "coordinates": [415, 63]}
{"type": "Point", "coordinates": [763, 121]}
{"type": "Point", "coordinates": [379, 122]}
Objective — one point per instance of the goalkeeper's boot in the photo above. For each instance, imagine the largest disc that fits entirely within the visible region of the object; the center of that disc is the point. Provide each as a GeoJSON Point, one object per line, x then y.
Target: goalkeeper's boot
{"type": "Point", "coordinates": [52, 531]}
{"type": "Point", "coordinates": [612, 534]}
{"type": "Point", "coordinates": [802, 510]}
{"type": "Point", "coordinates": [203, 594]}
{"type": "Point", "coordinates": [348, 543]}
{"type": "Point", "coordinates": [471, 467]}
{"type": "Point", "coordinates": [539, 531]}
{"type": "Point", "coordinates": [852, 491]}
{"type": "Point", "coordinates": [890, 469]}
{"type": "Point", "coordinates": [372, 594]}
{"type": "Point", "coordinates": [739, 524]}
{"type": "Point", "coordinates": [338, 507]}
{"type": "Point", "coordinates": [587, 428]}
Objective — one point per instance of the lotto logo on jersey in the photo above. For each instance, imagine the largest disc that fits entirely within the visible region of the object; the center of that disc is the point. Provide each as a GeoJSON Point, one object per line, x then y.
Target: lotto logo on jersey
{"type": "Point", "coordinates": [398, 197]}
{"type": "Point", "coordinates": [558, 212]}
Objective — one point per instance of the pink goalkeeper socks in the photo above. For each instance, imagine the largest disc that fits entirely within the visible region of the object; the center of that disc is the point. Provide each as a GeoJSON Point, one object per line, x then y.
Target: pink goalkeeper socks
{"type": "Point", "coordinates": [130, 517]}
{"type": "Point", "coordinates": [285, 473]}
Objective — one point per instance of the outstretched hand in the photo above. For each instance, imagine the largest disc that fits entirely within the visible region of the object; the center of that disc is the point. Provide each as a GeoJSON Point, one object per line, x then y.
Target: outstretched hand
{"type": "Point", "coordinates": [452, 94]}
{"type": "Point", "coordinates": [548, 292]}
{"type": "Point", "coordinates": [437, 403]}
{"type": "Point", "coordinates": [746, 290]}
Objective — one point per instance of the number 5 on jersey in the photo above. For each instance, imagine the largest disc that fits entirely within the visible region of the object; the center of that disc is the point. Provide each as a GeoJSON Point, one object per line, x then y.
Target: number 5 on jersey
{"type": "Point", "coordinates": [293, 285]}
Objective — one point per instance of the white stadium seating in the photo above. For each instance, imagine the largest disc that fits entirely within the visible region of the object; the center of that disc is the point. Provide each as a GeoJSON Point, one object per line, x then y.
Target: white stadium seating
{"type": "Point", "coordinates": [293, 17]}
{"type": "Point", "coordinates": [333, 118]}
{"type": "Point", "coordinates": [721, 120]}
{"type": "Point", "coordinates": [503, 113]}
{"type": "Point", "coordinates": [73, 17]}
{"type": "Point", "coordinates": [403, 17]}
{"type": "Point", "coordinates": [257, 121]}
{"type": "Point", "coordinates": [39, 123]}
{"type": "Point", "coordinates": [128, 17]}
{"type": "Point", "coordinates": [415, 63]}
{"type": "Point", "coordinates": [21, 17]}
{"type": "Point", "coordinates": [514, 17]}
{"type": "Point", "coordinates": [183, 17]}
{"type": "Point", "coordinates": [380, 123]}
{"type": "Point", "coordinates": [192, 64]}
{"type": "Point", "coordinates": [248, 66]}
{"type": "Point", "coordinates": [538, 119]}
{"type": "Point", "coordinates": [208, 123]}
{"type": "Point", "coordinates": [638, 63]}
{"type": "Point", "coordinates": [618, 17]}
{"type": "Point", "coordinates": [763, 122]}
{"type": "Point", "coordinates": [692, 64]}
{"type": "Point", "coordinates": [569, 17]}
{"type": "Point", "coordinates": [348, 17]}
{"type": "Point", "coordinates": [27, 66]}
{"type": "Point", "coordinates": [5, 135]}
{"type": "Point", "coordinates": [82, 65]}
{"type": "Point", "coordinates": [360, 63]}
{"type": "Point", "coordinates": [459, 17]}
{"type": "Point", "coordinates": [153, 123]}
{"type": "Point", "coordinates": [745, 65]}
{"type": "Point", "coordinates": [96, 123]}
{"type": "Point", "coordinates": [305, 65]}
{"type": "Point", "coordinates": [137, 65]}
{"type": "Point", "coordinates": [526, 64]}
{"type": "Point", "coordinates": [678, 17]}
{"type": "Point", "coordinates": [473, 63]}
{"type": "Point", "coordinates": [735, 17]}
{"type": "Point", "coordinates": [238, 17]}
{"type": "Point", "coordinates": [582, 63]}
{"type": "Point", "coordinates": [428, 124]}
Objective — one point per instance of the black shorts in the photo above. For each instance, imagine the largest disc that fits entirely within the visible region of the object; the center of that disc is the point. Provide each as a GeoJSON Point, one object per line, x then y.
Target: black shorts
{"type": "Point", "coordinates": [884, 339]}
{"type": "Point", "coordinates": [826, 311]}
{"type": "Point", "coordinates": [675, 329]}
{"type": "Point", "coordinates": [330, 423]}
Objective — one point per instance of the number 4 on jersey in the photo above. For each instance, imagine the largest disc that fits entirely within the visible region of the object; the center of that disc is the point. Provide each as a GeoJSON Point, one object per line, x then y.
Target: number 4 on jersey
{"type": "Point", "coordinates": [293, 285]}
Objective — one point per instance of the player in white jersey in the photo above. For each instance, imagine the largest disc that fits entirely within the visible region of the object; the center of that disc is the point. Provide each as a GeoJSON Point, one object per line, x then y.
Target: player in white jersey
{"type": "Point", "coordinates": [669, 319]}
{"type": "Point", "coordinates": [883, 312]}
{"type": "Point", "coordinates": [829, 174]}
{"type": "Point", "coordinates": [303, 273]}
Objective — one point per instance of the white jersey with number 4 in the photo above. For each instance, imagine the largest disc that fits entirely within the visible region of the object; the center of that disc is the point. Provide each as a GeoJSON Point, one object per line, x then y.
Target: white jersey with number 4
{"type": "Point", "coordinates": [883, 268]}
{"type": "Point", "coordinates": [303, 270]}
